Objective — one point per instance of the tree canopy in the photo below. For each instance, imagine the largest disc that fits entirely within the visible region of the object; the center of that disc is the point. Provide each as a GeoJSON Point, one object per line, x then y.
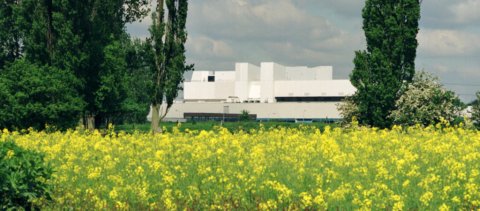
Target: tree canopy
{"type": "Point", "coordinates": [476, 110]}
{"type": "Point", "coordinates": [36, 96]}
{"type": "Point", "coordinates": [86, 41]}
{"type": "Point", "coordinates": [168, 37]}
{"type": "Point", "coordinates": [388, 63]}
{"type": "Point", "coordinates": [426, 102]}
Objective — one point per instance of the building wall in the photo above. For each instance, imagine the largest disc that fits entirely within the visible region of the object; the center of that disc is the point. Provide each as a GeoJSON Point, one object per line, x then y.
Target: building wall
{"type": "Point", "coordinates": [224, 76]}
{"type": "Point", "coordinates": [323, 72]}
{"type": "Point", "coordinates": [317, 110]}
{"type": "Point", "coordinates": [328, 88]}
{"type": "Point", "coordinates": [270, 72]}
{"type": "Point", "coordinates": [242, 89]}
{"type": "Point", "coordinates": [199, 76]}
{"type": "Point", "coordinates": [199, 90]}
{"type": "Point", "coordinates": [247, 72]}
{"type": "Point", "coordinates": [250, 83]}
{"type": "Point", "coordinates": [224, 90]}
{"type": "Point", "coordinates": [254, 90]}
{"type": "Point", "coordinates": [246, 81]}
{"type": "Point", "coordinates": [208, 90]}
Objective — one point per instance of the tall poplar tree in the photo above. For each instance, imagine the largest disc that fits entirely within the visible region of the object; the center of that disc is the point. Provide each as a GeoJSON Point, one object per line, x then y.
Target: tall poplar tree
{"type": "Point", "coordinates": [168, 37]}
{"type": "Point", "coordinates": [10, 32]}
{"type": "Point", "coordinates": [81, 42]}
{"type": "Point", "coordinates": [34, 93]}
{"type": "Point", "coordinates": [78, 36]}
{"type": "Point", "coordinates": [98, 24]}
{"type": "Point", "coordinates": [388, 65]}
{"type": "Point", "coordinates": [476, 110]}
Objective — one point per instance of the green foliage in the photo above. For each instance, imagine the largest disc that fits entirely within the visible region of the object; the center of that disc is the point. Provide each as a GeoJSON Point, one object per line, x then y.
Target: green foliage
{"type": "Point", "coordinates": [233, 127]}
{"type": "Point", "coordinates": [10, 33]}
{"type": "Point", "coordinates": [83, 37]}
{"type": "Point", "coordinates": [426, 102]}
{"type": "Point", "coordinates": [86, 38]}
{"type": "Point", "coordinates": [175, 62]}
{"type": "Point", "coordinates": [388, 64]}
{"type": "Point", "coordinates": [34, 96]}
{"type": "Point", "coordinates": [348, 110]}
{"type": "Point", "coordinates": [138, 82]}
{"type": "Point", "coordinates": [53, 35]}
{"type": "Point", "coordinates": [125, 81]}
{"type": "Point", "coordinates": [167, 41]}
{"type": "Point", "coordinates": [100, 24]}
{"type": "Point", "coordinates": [112, 91]}
{"type": "Point", "coordinates": [476, 110]}
{"type": "Point", "coordinates": [23, 177]}
{"type": "Point", "coordinates": [244, 116]}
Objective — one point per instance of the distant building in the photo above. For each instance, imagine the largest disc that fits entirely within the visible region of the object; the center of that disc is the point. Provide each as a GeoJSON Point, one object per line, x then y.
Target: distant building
{"type": "Point", "coordinates": [268, 92]}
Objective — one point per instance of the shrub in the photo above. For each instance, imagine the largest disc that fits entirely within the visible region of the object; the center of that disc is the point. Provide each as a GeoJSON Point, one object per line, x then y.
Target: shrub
{"type": "Point", "coordinates": [35, 96]}
{"type": "Point", "coordinates": [476, 111]}
{"type": "Point", "coordinates": [244, 116]}
{"type": "Point", "coordinates": [426, 102]}
{"type": "Point", "coordinates": [23, 177]}
{"type": "Point", "coordinates": [348, 110]}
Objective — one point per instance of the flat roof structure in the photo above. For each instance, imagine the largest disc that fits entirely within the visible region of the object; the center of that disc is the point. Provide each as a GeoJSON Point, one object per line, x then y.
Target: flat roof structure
{"type": "Point", "coordinates": [269, 91]}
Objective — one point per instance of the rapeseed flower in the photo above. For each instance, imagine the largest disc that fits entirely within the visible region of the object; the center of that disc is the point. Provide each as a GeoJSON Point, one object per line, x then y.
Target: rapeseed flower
{"type": "Point", "coordinates": [432, 168]}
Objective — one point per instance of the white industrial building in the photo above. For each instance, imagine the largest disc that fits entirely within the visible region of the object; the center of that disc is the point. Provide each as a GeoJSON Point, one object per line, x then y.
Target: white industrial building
{"type": "Point", "coordinates": [269, 92]}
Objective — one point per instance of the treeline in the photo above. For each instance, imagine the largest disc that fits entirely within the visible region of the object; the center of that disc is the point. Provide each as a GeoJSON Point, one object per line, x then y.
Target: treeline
{"type": "Point", "coordinates": [389, 90]}
{"type": "Point", "coordinates": [65, 62]}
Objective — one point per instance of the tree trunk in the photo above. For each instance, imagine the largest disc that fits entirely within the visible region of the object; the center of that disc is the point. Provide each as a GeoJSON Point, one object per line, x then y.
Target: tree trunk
{"type": "Point", "coordinates": [156, 119]}
{"type": "Point", "coordinates": [90, 122]}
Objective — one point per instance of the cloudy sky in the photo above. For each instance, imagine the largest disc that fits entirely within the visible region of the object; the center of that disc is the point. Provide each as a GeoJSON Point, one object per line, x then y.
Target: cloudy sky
{"type": "Point", "coordinates": [326, 32]}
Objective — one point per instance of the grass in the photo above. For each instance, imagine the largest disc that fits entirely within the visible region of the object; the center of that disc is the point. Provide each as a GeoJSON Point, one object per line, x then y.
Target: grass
{"type": "Point", "coordinates": [231, 126]}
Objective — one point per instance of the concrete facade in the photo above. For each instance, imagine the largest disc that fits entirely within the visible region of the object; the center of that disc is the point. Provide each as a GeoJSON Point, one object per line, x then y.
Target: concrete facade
{"type": "Point", "coordinates": [265, 111]}
{"type": "Point", "coordinates": [271, 91]}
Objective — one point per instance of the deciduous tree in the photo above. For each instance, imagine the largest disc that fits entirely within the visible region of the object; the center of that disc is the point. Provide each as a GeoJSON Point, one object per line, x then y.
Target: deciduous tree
{"type": "Point", "coordinates": [168, 37]}
{"type": "Point", "coordinates": [76, 36]}
{"type": "Point", "coordinates": [138, 81]}
{"type": "Point", "coordinates": [10, 32]}
{"type": "Point", "coordinates": [426, 102]}
{"type": "Point", "coordinates": [388, 64]}
{"type": "Point", "coordinates": [476, 110]}
{"type": "Point", "coordinates": [82, 38]}
{"type": "Point", "coordinates": [112, 92]}
{"type": "Point", "coordinates": [36, 96]}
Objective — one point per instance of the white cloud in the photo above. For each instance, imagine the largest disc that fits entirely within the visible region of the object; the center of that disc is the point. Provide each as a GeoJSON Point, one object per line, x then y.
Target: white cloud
{"type": "Point", "coordinates": [323, 32]}
{"type": "Point", "coordinates": [209, 48]}
{"type": "Point", "coordinates": [467, 11]}
{"type": "Point", "coordinates": [441, 42]}
{"type": "Point", "coordinates": [263, 20]}
{"type": "Point", "coordinates": [268, 30]}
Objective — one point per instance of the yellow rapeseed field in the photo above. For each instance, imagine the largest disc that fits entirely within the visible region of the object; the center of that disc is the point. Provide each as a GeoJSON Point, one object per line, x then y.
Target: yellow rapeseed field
{"type": "Point", "coordinates": [433, 168]}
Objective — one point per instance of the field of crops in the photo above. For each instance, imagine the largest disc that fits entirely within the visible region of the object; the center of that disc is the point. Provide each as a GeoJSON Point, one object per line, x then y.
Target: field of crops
{"type": "Point", "coordinates": [266, 169]}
